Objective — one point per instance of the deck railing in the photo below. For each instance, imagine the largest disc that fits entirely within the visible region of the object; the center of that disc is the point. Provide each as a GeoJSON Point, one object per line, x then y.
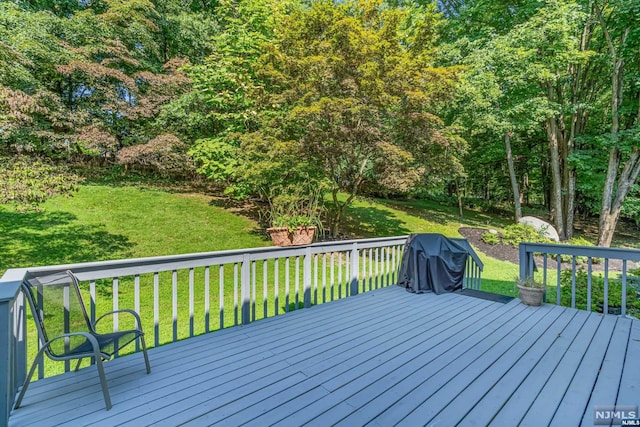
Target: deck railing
{"type": "Point", "coordinates": [596, 271]}
{"type": "Point", "coordinates": [185, 295]}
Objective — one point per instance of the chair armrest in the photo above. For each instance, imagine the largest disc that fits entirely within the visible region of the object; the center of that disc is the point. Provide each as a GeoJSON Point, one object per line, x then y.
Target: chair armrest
{"type": "Point", "coordinates": [86, 335]}
{"type": "Point", "coordinates": [125, 310]}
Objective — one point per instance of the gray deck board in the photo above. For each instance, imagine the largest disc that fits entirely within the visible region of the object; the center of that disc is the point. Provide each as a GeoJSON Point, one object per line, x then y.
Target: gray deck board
{"type": "Point", "coordinates": [383, 358]}
{"type": "Point", "coordinates": [630, 388]}
{"type": "Point", "coordinates": [515, 342]}
{"type": "Point", "coordinates": [608, 381]}
{"type": "Point", "coordinates": [587, 374]}
{"type": "Point", "coordinates": [527, 376]}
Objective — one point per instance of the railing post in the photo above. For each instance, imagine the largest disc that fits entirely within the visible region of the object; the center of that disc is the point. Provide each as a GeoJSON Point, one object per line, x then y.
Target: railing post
{"type": "Point", "coordinates": [7, 386]}
{"type": "Point", "coordinates": [245, 289]}
{"type": "Point", "coordinates": [306, 277]}
{"type": "Point", "coordinates": [524, 262]}
{"type": "Point", "coordinates": [12, 341]}
{"type": "Point", "coordinates": [355, 269]}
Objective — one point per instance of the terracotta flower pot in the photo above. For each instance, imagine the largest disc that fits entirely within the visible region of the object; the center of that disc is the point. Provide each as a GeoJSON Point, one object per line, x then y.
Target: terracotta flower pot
{"type": "Point", "coordinates": [531, 296]}
{"type": "Point", "coordinates": [281, 236]}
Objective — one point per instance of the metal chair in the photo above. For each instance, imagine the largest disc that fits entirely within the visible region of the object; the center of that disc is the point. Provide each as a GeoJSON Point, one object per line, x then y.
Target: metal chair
{"type": "Point", "coordinates": [56, 301]}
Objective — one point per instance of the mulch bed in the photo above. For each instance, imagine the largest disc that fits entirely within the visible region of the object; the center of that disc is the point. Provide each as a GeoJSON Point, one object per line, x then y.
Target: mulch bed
{"type": "Point", "coordinates": [499, 251]}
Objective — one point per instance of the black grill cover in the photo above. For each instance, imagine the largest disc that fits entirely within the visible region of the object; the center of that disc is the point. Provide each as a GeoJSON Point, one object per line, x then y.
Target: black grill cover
{"type": "Point", "coordinates": [432, 262]}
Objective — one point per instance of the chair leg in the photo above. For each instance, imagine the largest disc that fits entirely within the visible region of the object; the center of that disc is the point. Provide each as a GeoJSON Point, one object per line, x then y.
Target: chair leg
{"type": "Point", "coordinates": [103, 381]}
{"type": "Point", "coordinates": [28, 379]}
{"type": "Point", "coordinates": [144, 352]}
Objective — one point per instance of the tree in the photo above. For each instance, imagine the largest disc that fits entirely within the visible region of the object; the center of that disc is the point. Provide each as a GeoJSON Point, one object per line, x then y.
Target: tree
{"type": "Point", "coordinates": [620, 30]}
{"type": "Point", "coordinates": [353, 85]}
{"type": "Point", "coordinates": [85, 80]}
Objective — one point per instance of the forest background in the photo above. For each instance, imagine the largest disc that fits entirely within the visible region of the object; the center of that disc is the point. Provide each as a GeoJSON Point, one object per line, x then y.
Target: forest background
{"type": "Point", "coordinates": [302, 106]}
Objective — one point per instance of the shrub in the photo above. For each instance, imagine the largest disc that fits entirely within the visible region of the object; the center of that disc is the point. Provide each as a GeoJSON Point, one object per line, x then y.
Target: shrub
{"type": "Point", "coordinates": [164, 154]}
{"type": "Point", "coordinates": [490, 238]}
{"type": "Point", "coordinates": [597, 292]}
{"type": "Point", "coordinates": [516, 233]}
{"type": "Point", "coordinates": [579, 241]}
{"type": "Point", "coordinates": [27, 182]}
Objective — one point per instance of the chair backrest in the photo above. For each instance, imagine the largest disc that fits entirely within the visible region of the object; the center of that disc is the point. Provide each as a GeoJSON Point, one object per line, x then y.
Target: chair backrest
{"type": "Point", "coordinates": [57, 307]}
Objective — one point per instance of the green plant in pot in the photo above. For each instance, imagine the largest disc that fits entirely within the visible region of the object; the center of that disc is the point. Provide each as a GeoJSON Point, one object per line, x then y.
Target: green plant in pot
{"type": "Point", "coordinates": [294, 218]}
{"type": "Point", "coordinates": [531, 291]}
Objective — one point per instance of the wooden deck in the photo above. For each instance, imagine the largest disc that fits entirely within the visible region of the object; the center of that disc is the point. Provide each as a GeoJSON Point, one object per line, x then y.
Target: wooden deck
{"type": "Point", "coordinates": [384, 358]}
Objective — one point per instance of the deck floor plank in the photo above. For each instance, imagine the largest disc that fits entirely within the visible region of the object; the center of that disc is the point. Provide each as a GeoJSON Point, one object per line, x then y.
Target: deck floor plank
{"type": "Point", "coordinates": [516, 342]}
{"type": "Point", "coordinates": [432, 378]}
{"type": "Point", "coordinates": [388, 357]}
{"type": "Point", "coordinates": [630, 388]}
{"type": "Point", "coordinates": [610, 374]}
{"type": "Point", "coordinates": [181, 412]}
{"type": "Point", "coordinates": [374, 396]}
{"type": "Point", "coordinates": [380, 358]}
{"type": "Point", "coordinates": [568, 383]}
{"type": "Point", "coordinates": [589, 372]}
{"type": "Point", "coordinates": [508, 371]}
{"type": "Point", "coordinates": [188, 372]}
{"type": "Point", "coordinates": [526, 376]}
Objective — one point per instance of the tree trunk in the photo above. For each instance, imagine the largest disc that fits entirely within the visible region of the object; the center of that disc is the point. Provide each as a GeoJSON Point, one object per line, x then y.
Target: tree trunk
{"type": "Point", "coordinates": [337, 214]}
{"type": "Point", "coordinates": [570, 209]}
{"type": "Point", "coordinates": [556, 178]}
{"type": "Point", "coordinates": [609, 217]}
{"type": "Point", "coordinates": [610, 208]}
{"type": "Point", "coordinates": [459, 196]}
{"type": "Point", "coordinates": [605, 233]}
{"type": "Point", "coordinates": [512, 177]}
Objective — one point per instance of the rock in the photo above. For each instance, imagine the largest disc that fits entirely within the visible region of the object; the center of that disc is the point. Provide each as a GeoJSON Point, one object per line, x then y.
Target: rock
{"type": "Point", "coordinates": [492, 231]}
{"type": "Point", "coordinates": [540, 225]}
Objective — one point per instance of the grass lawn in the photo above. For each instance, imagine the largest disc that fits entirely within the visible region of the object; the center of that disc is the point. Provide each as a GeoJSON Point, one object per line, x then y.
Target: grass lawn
{"type": "Point", "coordinates": [102, 223]}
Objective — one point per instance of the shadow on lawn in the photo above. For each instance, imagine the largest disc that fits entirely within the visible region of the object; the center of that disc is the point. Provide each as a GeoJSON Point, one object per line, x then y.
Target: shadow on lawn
{"type": "Point", "coordinates": [49, 238]}
{"type": "Point", "coordinates": [446, 214]}
{"type": "Point", "coordinates": [372, 222]}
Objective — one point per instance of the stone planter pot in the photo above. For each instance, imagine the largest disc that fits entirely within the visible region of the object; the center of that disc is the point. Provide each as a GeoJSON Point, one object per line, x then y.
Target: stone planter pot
{"type": "Point", "coordinates": [281, 236]}
{"type": "Point", "coordinates": [531, 296]}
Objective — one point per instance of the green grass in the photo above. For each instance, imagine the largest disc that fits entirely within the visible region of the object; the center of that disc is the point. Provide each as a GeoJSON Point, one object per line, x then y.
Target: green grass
{"type": "Point", "coordinates": [101, 223]}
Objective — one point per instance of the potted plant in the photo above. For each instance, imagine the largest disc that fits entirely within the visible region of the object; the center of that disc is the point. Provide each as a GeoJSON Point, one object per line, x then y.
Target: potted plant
{"type": "Point", "coordinates": [294, 219]}
{"type": "Point", "coordinates": [292, 230]}
{"type": "Point", "coordinates": [531, 291]}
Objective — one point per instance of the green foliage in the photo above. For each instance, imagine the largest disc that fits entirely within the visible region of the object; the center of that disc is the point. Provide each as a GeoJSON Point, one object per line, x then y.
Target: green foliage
{"type": "Point", "coordinates": [529, 282]}
{"type": "Point", "coordinates": [295, 208]}
{"type": "Point", "coordinates": [346, 87]}
{"type": "Point", "coordinates": [597, 292]}
{"type": "Point", "coordinates": [26, 183]}
{"type": "Point", "coordinates": [516, 233]}
{"type": "Point", "coordinates": [164, 155]}
{"type": "Point", "coordinates": [579, 241]}
{"type": "Point", "coordinates": [490, 238]}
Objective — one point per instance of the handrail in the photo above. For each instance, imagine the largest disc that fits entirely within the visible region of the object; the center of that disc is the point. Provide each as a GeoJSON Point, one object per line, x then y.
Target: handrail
{"type": "Point", "coordinates": [127, 267]}
{"type": "Point", "coordinates": [588, 251]}
{"type": "Point", "coordinates": [472, 253]}
{"type": "Point", "coordinates": [529, 250]}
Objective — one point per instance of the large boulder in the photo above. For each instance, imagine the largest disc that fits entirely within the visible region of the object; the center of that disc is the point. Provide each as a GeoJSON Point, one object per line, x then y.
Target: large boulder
{"type": "Point", "coordinates": [542, 226]}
